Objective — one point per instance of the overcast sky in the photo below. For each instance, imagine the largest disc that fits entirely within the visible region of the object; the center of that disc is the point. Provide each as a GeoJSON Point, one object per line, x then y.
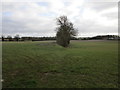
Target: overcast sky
{"type": "Point", "coordinates": [38, 17]}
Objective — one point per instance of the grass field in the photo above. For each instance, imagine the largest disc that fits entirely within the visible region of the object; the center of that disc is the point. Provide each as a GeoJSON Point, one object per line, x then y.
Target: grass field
{"type": "Point", "coordinates": [85, 64]}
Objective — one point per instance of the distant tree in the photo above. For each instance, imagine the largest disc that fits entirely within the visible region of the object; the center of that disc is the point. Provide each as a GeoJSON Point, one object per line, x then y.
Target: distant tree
{"type": "Point", "coordinates": [3, 38]}
{"type": "Point", "coordinates": [17, 37]}
{"type": "Point", "coordinates": [9, 37]}
{"type": "Point", "coordinates": [65, 31]}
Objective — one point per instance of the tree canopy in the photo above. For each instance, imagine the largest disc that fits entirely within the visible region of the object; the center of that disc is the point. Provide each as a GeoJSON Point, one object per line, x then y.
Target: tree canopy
{"type": "Point", "coordinates": [65, 31]}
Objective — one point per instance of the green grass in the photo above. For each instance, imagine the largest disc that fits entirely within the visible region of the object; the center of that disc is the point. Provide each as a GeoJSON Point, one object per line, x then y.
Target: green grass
{"type": "Point", "coordinates": [85, 64]}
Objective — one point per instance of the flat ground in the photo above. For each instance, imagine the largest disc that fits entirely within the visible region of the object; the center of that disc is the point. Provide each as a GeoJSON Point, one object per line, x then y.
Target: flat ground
{"type": "Point", "coordinates": [85, 64]}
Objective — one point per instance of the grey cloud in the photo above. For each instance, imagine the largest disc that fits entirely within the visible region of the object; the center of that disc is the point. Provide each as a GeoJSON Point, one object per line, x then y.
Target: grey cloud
{"type": "Point", "coordinates": [12, 27]}
{"type": "Point", "coordinates": [30, 25]}
{"type": "Point", "coordinates": [111, 15]}
{"type": "Point", "coordinates": [92, 27]}
{"type": "Point", "coordinates": [99, 6]}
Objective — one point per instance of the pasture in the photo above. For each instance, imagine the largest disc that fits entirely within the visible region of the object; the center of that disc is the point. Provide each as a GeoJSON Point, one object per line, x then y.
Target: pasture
{"type": "Point", "coordinates": [44, 64]}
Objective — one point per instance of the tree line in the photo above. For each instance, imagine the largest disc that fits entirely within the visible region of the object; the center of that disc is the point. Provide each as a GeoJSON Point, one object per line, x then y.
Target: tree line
{"type": "Point", "coordinates": [102, 37]}
{"type": "Point", "coordinates": [18, 38]}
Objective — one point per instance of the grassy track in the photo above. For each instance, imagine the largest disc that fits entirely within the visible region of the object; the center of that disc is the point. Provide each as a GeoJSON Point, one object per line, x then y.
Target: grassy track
{"type": "Point", "coordinates": [86, 64]}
